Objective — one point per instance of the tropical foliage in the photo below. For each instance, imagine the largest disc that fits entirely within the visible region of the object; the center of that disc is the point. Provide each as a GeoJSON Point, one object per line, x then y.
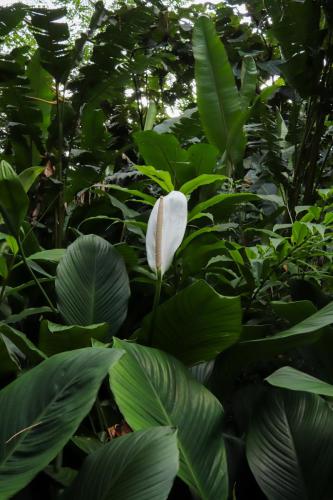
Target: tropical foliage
{"type": "Point", "coordinates": [166, 247]}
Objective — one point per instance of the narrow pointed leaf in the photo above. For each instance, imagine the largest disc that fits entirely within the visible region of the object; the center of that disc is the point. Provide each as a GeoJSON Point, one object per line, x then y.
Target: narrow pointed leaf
{"type": "Point", "coordinates": [217, 95]}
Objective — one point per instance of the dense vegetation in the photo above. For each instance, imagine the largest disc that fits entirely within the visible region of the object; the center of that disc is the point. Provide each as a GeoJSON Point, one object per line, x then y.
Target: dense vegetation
{"type": "Point", "coordinates": [206, 374]}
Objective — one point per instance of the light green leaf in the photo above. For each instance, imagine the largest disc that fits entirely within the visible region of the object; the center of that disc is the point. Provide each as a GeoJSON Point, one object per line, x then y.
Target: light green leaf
{"type": "Point", "coordinates": [29, 175]}
{"type": "Point", "coordinates": [217, 95]}
{"type": "Point", "coordinates": [151, 389]}
{"type": "Point", "coordinates": [161, 177]}
{"type": "Point", "coordinates": [295, 380]}
{"type": "Point", "coordinates": [201, 180]}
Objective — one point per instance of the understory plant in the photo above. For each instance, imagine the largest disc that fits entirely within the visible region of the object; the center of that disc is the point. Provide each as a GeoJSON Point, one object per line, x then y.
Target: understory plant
{"type": "Point", "coordinates": [166, 293]}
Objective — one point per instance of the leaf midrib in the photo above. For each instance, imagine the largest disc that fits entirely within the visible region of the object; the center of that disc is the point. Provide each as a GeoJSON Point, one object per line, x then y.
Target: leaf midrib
{"type": "Point", "coordinates": [173, 424]}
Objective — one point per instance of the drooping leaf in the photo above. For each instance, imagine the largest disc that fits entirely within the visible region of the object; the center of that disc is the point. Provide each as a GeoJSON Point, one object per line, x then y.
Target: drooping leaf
{"type": "Point", "coordinates": [196, 324]}
{"type": "Point", "coordinates": [42, 409]}
{"type": "Point", "coordinates": [139, 466]}
{"type": "Point", "coordinates": [151, 389]}
{"type": "Point", "coordinates": [290, 446]}
{"type": "Point", "coordinates": [295, 380]}
{"type": "Point", "coordinates": [92, 284]}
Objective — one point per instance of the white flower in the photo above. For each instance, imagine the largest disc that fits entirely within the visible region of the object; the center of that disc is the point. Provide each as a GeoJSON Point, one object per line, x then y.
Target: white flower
{"type": "Point", "coordinates": [165, 231]}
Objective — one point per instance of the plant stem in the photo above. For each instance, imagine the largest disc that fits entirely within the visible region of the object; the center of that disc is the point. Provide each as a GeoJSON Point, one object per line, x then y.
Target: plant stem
{"type": "Point", "coordinates": [34, 277]}
{"type": "Point", "coordinates": [158, 287]}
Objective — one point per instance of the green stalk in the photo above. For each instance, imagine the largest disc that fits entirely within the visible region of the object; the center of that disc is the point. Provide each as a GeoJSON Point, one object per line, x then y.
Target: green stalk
{"type": "Point", "coordinates": [34, 277]}
{"type": "Point", "coordinates": [158, 287]}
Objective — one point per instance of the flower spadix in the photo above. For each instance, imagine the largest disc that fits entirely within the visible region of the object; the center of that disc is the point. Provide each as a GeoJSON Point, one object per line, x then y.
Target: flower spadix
{"type": "Point", "coordinates": [165, 231]}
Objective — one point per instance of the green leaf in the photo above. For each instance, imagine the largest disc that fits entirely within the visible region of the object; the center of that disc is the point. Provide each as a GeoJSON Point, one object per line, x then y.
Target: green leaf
{"type": "Point", "coordinates": [13, 199]}
{"type": "Point", "coordinates": [312, 324]}
{"type": "Point", "coordinates": [151, 389]}
{"type": "Point", "coordinates": [3, 267]}
{"type": "Point", "coordinates": [26, 313]}
{"type": "Point", "coordinates": [53, 255]}
{"type": "Point", "coordinates": [161, 177]}
{"type": "Point", "coordinates": [225, 201]}
{"type": "Point", "coordinates": [295, 380]}
{"type": "Point", "coordinates": [150, 116]}
{"type": "Point", "coordinates": [290, 446]}
{"type": "Point", "coordinates": [202, 158]}
{"type": "Point", "coordinates": [92, 284]}
{"type": "Point", "coordinates": [139, 466]}
{"type": "Point", "coordinates": [294, 312]}
{"type": "Point", "coordinates": [28, 348]}
{"type": "Point", "coordinates": [201, 180]}
{"type": "Point", "coordinates": [217, 95]}
{"type": "Point", "coordinates": [42, 92]}
{"type": "Point", "coordinates": [29, 175]}
{"type": "Point", "coordinates": [163, 152]}
{"type": "Point", "coordinates": [249, 75]}
{"type": "Point", "coordinates": [55, 338]}
{"type": "Point", "coordinates": [196, 324]}
{"type": "Point", "coordinates": [42, 409]}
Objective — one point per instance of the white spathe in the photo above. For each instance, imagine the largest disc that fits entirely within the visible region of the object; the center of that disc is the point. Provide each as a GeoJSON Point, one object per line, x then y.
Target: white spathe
{"type": "Point", "coordinates": [165, 231]}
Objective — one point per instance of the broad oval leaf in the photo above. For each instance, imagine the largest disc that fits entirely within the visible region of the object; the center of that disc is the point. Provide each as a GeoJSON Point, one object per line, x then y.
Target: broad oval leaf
{"type": "Point", "coordinates": [152, 388]}
{"type": "Point", "coordinates": [42, 409]}
{"type": "Point", "coordinates": [92, 284]}
{"type": "Point", "coordinates": [196, 324]}
{"type": "Point", "coordinates": [139, 466]}
{"type": "Point", "coordinates": [290, 446]}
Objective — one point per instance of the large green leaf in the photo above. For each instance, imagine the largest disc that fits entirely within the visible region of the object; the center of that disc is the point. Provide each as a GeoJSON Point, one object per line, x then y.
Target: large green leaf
{"type": "Point", "coordinates": [163, 152]}
{"type": "Point", "coordinates": [92, 283]}
{"type": "Point", "coordinates": [42, 409]}
{"type": "Point", "coordinates": [196, 324]}
{"type": "Point", "coordinates": [152, 388]}
{"type": "Point", "coordinates": [13, 199]}
{"type": "Point", "coordinates": [290, 446]}
{"type": "Point", "coordinates": [295, 380]}
{"type": "Point", "coordinates": [139, 466]}
{"type": "Point", "coordinates": [217, 95]}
